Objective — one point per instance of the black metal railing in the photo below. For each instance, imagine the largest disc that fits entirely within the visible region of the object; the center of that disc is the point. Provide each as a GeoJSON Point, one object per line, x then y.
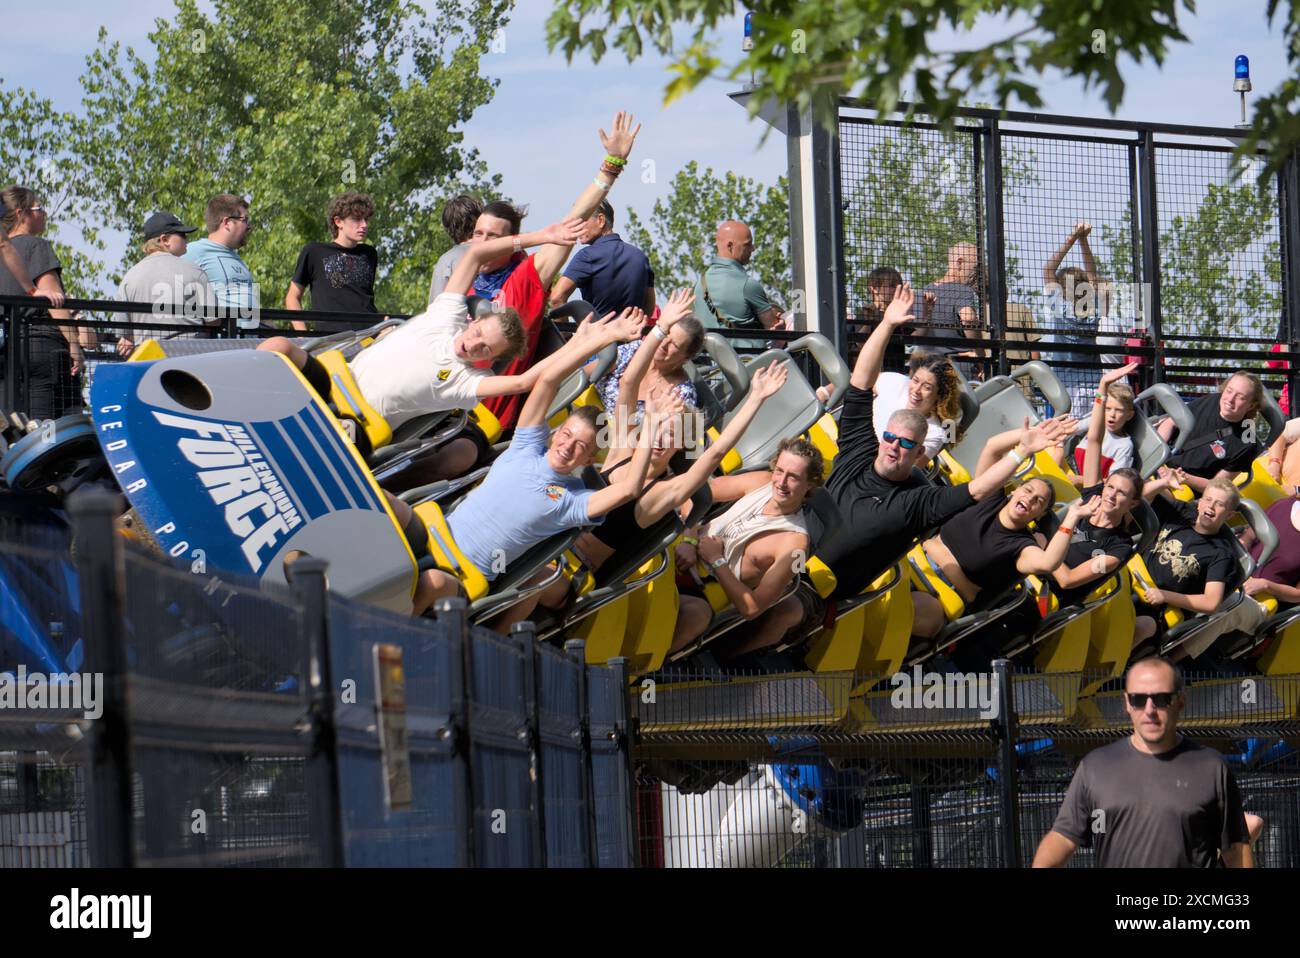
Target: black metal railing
{"type": "Point", "coordinates": [1202, 268]}
{"type": "Point", "coordinates": [831, 770]}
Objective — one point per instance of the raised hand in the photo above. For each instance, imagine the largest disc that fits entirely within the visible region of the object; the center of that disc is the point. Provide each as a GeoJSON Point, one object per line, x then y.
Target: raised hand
{"type": "Point", "coordinates": [619, 141]}
{"type": "Point", "coordinates": [565, 233]}
{"type": "Point", "coordinates": [1084, 510]}
{"type": "Point", "coordinates": [769, 380]}
{"type": "Point", "coordinates": [1081, 230]}
{"type": "Point", "coordinates": [928, 299]}
{"type": "Point", "coordinates": [899, 311]}
{"type": "Point", "coordinates": [1062, 426]}
{"type": "Point", "coordinates": [628, 325]}
{"type": "Point", "coordinates": [1117, 375]}
{"type": "Point", "coordinates": [680, 305]}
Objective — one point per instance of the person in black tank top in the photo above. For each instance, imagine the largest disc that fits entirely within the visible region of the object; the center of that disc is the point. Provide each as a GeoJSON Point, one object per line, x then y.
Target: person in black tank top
{"type": "Point", "coordinates": [620, 526]}
{"type": "Point", "coordinates": [985, 549]}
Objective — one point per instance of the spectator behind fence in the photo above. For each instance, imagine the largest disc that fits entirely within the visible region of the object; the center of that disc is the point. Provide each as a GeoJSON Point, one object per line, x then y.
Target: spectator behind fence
{"type": "Point", "coordinates": [1222, 443]}
{"type": "Point", "coordinates": [339, 274]}
{"type": "Point", "coordinates": [227, 222]}
{"type": "Point", "coordinates": [882, 283]}
{"type": "Point", "coordinates": [1070, 309]}
{"type": "Point", "coordinates": [459, 216]}
{"type": "Point", "coordinates": [520, 281]}
{"type": "Point", "coordinates": [1153, 799]}
{"type": "Point", "coordinates": [726, 296]}
{"type": "Point", "coordinates": [610, 273]}
{"type": "Point", "coordinates": [54, 355]}
{"type": "Point", "coordinates": [175, 288]}
{"type": "Point", "coordinates": [956, 308]}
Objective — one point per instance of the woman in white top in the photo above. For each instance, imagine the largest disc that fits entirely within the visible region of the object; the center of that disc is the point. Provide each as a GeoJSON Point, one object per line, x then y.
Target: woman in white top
{"type": "Point", "coordinates": [931, 386]}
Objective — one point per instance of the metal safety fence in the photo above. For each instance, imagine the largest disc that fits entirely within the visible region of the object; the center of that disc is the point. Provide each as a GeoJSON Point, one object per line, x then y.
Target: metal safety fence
{"type": "Point", "coordinates": [1084, 242]}
{"type": "Point", "coordinates": [855, 771]}
{"type": "Point", "coordinates": [205, 721]}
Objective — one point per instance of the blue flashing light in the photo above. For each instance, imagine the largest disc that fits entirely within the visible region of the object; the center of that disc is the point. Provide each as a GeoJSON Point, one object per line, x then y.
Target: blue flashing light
{"type": "Point", "coordinates": [1241, 69]}
{"type": "Point", "coordinates": [749, 32]}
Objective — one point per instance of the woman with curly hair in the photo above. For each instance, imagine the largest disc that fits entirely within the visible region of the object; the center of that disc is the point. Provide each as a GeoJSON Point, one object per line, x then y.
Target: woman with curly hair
{"type": "Point", "coordinates": [931, 386]}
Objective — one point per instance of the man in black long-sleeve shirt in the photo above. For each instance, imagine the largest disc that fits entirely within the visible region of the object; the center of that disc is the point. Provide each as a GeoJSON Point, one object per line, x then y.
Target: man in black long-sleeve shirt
{"type": "Point", "coordinates": [883, 505]}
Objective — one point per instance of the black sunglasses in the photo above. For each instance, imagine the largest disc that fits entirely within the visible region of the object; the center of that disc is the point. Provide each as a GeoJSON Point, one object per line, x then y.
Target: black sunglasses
{"type": "Point", "coordinates": [901, 440]}
{"type": "Point", "coordinates": [1161, 700]}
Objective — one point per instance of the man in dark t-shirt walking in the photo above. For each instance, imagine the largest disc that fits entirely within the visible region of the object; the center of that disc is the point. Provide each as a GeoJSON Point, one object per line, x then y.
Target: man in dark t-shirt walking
{"type": "Point", "coordinates": [1152, 799]}
{"type": "Point", "coordinates": [341, 273]}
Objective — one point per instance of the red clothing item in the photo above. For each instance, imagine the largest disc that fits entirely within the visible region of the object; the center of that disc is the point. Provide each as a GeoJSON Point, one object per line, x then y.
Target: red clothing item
{"type": "Point", "coordinates": [522, 292]}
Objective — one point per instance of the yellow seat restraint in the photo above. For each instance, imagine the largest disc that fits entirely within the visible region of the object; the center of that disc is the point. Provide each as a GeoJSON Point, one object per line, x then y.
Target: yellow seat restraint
{"type": "Point", "coordinates": [447, 554]}
{"type": "Point", "coordinates": [925, 579]}
{"type": "Point", "coordinates": [348, 400]}
{"type": "Point", "coordinates": [1142, 581]}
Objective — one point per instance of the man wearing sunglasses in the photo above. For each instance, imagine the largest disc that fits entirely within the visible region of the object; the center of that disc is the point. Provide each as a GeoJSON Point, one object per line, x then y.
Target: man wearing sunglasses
{"type": "Point", "coordinates": [884, 505]}
{"type": "Point", "coordinates": [1152, 799]}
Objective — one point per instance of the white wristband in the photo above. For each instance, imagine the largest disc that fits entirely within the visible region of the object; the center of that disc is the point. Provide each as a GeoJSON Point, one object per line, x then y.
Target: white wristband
{"type": "Point", "coordinates": [658, 331]}
{"type": "Point", "coordinates": [1016, 457]}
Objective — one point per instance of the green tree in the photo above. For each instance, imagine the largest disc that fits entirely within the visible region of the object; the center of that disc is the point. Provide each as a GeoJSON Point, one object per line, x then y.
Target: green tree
{"type": "Point", "coordinates": [876, 49]}
{"type": "Point", "coordinates": [34, 152]}
{"type": "Point", "coordinates": [1220, 271]}
{"type": "Point", "coordinates": [289, 102]}
{"type": "Point", "coordinates": [679, 236]}
{"type": "Point", "coordinates": [911, 194]}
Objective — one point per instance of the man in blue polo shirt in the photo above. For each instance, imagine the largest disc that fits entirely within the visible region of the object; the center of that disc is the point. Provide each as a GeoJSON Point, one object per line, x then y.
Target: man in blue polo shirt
{"type": "Point", "coordinates": [611, 274]}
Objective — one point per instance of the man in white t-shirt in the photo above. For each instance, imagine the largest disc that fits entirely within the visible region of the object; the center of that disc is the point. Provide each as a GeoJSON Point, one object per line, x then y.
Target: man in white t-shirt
{"type": "Point", "coordinates": [428, 364]}
{"type": "Point", "coordinates": [534, 491]}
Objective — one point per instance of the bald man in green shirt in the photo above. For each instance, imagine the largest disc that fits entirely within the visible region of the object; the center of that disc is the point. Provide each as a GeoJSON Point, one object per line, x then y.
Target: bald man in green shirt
{"type": "Point", "coordinates": [726, 296]}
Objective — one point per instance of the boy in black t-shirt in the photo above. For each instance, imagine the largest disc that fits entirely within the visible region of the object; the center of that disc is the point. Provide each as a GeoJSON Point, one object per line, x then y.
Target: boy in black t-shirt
{"type": "Point", "coordinates": [1223, 441]}
{"type": "Point", "coordinates": [1193, 563]}
{"type": "Point", "coordinates": [341, 273]}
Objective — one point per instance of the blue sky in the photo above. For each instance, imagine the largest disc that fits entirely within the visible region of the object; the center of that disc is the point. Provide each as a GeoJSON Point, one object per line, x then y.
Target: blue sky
{"type": "Point", "coordinates": [542, 100]}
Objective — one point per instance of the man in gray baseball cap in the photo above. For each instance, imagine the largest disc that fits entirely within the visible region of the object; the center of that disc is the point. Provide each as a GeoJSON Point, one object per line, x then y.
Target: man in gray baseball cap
{"type": "Point", "coordinates": [176, 289]}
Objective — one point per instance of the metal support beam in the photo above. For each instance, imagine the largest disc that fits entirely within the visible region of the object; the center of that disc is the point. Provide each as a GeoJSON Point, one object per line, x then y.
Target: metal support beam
{"type": "Point", "coordinates": [1150, 226]}
{"type": "Point", "coordinates": [995, 241]}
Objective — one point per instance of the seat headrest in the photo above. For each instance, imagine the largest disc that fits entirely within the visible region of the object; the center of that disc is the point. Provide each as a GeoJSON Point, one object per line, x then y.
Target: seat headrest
{"type": "Point", "coordinates": [575, 309]}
